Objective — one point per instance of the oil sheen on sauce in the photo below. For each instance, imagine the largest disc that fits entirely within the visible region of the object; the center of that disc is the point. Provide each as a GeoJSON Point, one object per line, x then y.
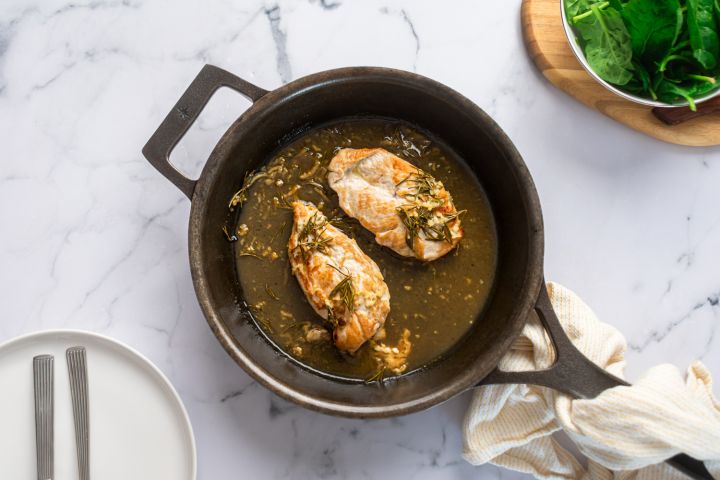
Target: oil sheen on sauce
{"type": "Point", "coordinates": [437, 301]}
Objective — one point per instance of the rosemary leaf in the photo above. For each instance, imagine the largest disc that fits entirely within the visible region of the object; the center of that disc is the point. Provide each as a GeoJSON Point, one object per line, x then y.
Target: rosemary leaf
{"type": "Point", "coordinates": [230, 238]}
{"type": "Point", "coordinates": [420, 215]}
{"type": "Point", "coordinates": [250, 254]}
{"type": "Point", "coordinates": [271, 293]}
{"type": "Point", "coordinates": [310, 238]}
{"type": "Point", "coordinates": [279, 232]}
{"type": "Point", "coordinates": [240, 196]}
{"type": "Point", "coordinates": [378, 376]}
{"type": "Point", "coordinates": [344, 290]}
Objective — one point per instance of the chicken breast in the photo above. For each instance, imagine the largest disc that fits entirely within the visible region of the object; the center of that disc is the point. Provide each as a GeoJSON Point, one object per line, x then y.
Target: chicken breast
{"type": "Point", "coordinates": [342, 284]}
{"type": "Point", "coordinates": [406, 208]}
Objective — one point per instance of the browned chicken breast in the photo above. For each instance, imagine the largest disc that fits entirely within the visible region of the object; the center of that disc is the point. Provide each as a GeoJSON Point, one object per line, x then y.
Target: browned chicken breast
{"type": "Point", "coordinates": [406, 208]}
{"type": "Point", "coordinates": [342, 284]}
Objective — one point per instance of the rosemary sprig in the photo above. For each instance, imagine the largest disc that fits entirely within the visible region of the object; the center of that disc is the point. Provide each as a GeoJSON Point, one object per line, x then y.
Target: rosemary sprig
{"type": "Point", "coordinates": [310, 238]}
{"type": "Point", "coordinates": [317, 245]}
{"type": "Point", "coordinates": [257, 315]}
{"type": "Point", "coordinates": [230, 238]}
{"type": "Point", "coordinates": [423, 188]}
{"type": "Point", "coordinates": [250, 254]}
{"type": "Point", "coordinates": [420, 215]}
{"type": "Point", "coordinates": [279, 232]}
{"type": "Point", "coordinates": [435, 226]}
{"type": "Point", "coordinates": [314, 226]}
{"type": "Point", "coordinates": [344, 290]}
{"type": "Point", "coordinates": [378, 376]}
{"type": "Point", "coordinates": [271, 293]}
{"type": "Point", "coordinates": [240, 196]}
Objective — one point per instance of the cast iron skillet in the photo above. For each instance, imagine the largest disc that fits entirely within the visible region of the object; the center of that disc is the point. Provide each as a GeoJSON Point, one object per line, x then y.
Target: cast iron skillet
{"type": "Point", "coordinates": [278, 115]}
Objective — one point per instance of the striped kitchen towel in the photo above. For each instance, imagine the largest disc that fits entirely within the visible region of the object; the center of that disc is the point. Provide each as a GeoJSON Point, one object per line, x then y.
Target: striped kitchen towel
{"type": "Point", "coordinates": [625, 432]}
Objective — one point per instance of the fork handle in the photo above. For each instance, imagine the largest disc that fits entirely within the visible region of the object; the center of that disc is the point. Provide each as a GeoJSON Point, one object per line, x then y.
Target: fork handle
{"type": "Point", "coordinates": [43, 376]}
{"type": "Point", "coordinates": [77, 369]}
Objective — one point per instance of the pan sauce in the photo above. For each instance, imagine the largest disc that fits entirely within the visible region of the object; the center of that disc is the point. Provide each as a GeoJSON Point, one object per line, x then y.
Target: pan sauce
{"type": "Point", "coordinates": [437, 301]}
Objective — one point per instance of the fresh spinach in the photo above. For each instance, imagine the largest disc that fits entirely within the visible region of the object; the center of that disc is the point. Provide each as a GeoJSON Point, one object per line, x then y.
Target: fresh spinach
{"type": "Point", "coordinates": [640, 82]}
{"type": "Point", "coordinates": [667, 50]}
{"type": "Point", "coordinates": [670, 92]}
{"type": "Point", "coordinates": [703, 32]}
{"type": "Point", "coordinates": [575, 7]}
{"type": "Point", "coordinates": [607, 45]}
{"type": "Point", "coordinates": [654, 26]}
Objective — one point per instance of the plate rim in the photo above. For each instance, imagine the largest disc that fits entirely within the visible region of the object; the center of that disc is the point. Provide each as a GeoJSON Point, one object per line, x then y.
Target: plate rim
{"type": "Point", "coordinates": [123, 346]}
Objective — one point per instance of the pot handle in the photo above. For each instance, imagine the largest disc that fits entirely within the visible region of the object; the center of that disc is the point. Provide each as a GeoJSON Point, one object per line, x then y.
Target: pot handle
{"type": "Point", "coordinates": [572, 373]}
{"type": "Point", "coordinates": [576, 375]}
{"type": "Point", "coordinates": [157, 150]}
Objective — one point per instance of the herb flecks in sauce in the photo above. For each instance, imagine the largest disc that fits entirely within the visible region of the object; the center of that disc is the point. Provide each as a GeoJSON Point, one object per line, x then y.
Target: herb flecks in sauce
{"type": "Point", "coordinates": [271, 293]}
{"type": "Point", "coordinates": [378, 376]}
{"type": "Point", "coordinates": [240, 196]}
{"type": "Point", "coordinates": [230, 238]}
{"type": "Point", "coordinates": [291, 322]}
{"type": "Point", "coordinates": [394, 359]}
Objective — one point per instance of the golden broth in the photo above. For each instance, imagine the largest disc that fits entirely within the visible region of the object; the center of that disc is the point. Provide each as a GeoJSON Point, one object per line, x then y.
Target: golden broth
{"type": "Point", "coordinates": [437, 301]}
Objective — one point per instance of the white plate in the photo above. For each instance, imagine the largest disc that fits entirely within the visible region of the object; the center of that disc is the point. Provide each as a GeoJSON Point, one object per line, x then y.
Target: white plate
{"type": "Point", "coordinates": [139, 428]}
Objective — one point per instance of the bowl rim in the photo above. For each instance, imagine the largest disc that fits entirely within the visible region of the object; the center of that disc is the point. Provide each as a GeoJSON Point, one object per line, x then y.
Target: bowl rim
{"type": "Point", "coordinates": [580, 55]}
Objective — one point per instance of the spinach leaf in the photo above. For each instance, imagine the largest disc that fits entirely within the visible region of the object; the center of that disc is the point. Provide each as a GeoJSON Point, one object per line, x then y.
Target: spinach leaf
{"type": "Point", "coordinates": [642, 76]}
{"type": "Point", "coordinates": [576, 7]}
{"type": "Point", "coordinates": [702, 86]}
{"type": "Point", "coordinates": [607, 45]}
{"type": "Point", "coordinates": [670, 92]}
{"type": "Point", "coordinates": [703, 32]}
{"type": "Point", "coordinates": [654, 26]}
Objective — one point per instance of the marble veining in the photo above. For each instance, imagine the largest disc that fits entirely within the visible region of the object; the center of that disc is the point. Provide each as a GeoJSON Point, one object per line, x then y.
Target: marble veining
{"type": "Point", "coordinates": [94, 238]}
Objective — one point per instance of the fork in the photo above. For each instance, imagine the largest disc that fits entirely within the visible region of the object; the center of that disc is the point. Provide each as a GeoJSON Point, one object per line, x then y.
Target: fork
{"type": "Point", "coordinates": [77, 368]}
{"type": "Point", "coordinates": [43, 375]}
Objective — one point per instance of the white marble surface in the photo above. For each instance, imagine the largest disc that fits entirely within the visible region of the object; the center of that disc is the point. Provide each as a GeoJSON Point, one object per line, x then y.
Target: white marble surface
{"type": "Point", "coordinates": [94, 238]}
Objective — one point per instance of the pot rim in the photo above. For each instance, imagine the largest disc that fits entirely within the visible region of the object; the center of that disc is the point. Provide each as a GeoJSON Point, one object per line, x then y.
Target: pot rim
{"type": "Point", "coordinates": [530, 288]}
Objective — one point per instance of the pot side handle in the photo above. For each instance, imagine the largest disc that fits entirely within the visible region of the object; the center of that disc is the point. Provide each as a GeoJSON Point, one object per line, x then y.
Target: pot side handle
{"type": "Point", "coordinates": [157, 150]}
{"type": "Point", "coordinates": [572, 373]}
{"type": "Point", "coordinates": [576, 375]}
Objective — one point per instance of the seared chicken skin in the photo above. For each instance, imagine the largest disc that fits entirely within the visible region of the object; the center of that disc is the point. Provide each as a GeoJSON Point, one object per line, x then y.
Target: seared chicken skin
{"type": "Point", "coordinates": [342, 284]}
{"type": "Point", "coordinates": [407, 209]}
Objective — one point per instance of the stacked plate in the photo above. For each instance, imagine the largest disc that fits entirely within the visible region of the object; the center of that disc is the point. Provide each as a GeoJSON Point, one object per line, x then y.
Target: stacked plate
{"type": "Point", "coordinates": [138, 426]}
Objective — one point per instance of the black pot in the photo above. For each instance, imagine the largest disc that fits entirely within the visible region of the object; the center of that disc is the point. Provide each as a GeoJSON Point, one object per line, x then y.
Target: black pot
{"type": "Point", "coordinates": [273, 119]}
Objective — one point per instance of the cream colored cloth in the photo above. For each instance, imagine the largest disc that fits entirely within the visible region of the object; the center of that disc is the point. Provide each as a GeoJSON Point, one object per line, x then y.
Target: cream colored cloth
{"type": "Point", "coordinates": [624, 432]}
